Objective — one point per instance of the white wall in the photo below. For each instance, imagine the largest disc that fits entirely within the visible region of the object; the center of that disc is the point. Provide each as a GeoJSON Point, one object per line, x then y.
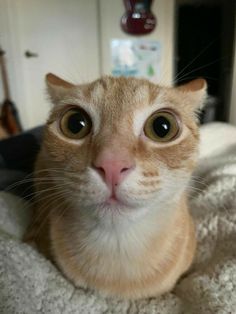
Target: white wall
{"type": "Point", "coordinates": [110, 15]}
{"type": "Point", "coordinates": [72, 39]}
{"type": "Point", "coordinates": [62, 33]}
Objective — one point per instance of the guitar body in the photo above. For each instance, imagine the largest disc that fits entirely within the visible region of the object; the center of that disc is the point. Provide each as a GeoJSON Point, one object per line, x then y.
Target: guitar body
{"type": "Point", "coordinates": [138, 18]}
{"type": "Point", "coordinates": [9, 121]}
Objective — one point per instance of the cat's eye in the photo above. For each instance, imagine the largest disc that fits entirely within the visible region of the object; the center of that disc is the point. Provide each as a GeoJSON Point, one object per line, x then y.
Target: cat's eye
{"type": "Point", "coordinates": [75, 123]}
{"type": "Point", "coordinates": [162, 126]}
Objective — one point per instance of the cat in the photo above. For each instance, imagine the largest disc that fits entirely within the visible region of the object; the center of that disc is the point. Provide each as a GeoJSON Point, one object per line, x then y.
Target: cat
{"type": "Point", "coordinates": [111, 183]}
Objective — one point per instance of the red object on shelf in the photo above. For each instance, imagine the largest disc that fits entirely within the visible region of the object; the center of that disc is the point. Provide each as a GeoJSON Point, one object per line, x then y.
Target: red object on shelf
{"type": "Point", "coordinates": [138, 18]}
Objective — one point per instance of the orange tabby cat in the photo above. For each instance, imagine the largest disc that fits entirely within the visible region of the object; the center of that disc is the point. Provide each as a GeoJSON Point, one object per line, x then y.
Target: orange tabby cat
{"type": "Point", "coordinates": [110, 180]}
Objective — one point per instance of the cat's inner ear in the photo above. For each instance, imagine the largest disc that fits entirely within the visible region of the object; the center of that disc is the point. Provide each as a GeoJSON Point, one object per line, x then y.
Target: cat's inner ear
{"type": "Point", "coordinates": [193, 86]}
{"type": "Point", "coordinates": [57, 87]}
{"type": "Point", "coordinates": [196, 90]}
{"type": "Point", "coordinates": [54, 80]}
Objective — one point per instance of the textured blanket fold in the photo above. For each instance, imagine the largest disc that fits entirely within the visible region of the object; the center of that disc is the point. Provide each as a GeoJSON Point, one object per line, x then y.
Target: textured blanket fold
{"type": "Point", "coordinates": [31, 284]}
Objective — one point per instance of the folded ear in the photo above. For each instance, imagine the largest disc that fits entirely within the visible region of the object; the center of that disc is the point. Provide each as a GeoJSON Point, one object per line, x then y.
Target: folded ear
{"type": "Point", "coordinates": [57, 87]}
{"type": "Point", "coordinates": [196, 90]}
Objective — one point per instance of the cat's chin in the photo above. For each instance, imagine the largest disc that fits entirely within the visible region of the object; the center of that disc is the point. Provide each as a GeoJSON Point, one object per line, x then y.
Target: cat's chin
{"type": "Point", "coordinates": [113, 202]}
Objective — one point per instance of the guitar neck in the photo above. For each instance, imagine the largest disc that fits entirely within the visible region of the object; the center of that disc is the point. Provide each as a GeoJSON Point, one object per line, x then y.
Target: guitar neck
{"type": "Point", "coordinates": [5, 84]}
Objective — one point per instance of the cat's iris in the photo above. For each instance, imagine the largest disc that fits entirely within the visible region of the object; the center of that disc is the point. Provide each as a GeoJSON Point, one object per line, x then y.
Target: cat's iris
{"type": "Point", "coordinates": [75, 123]}
{"type": "Point", "coordinates": [162, 126]}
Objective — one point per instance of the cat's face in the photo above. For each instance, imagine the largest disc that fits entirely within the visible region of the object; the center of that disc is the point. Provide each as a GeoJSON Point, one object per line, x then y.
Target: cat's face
{"type": "Point", "coordinates": [123, 144]}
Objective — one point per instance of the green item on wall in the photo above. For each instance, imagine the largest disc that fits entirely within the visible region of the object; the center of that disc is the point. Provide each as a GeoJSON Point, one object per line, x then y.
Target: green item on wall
{"type": "Point", "coordinates": [150, 70]}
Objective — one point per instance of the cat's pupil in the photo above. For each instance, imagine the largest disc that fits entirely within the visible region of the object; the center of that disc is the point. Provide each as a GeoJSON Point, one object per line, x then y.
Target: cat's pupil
{"type": "Point", "coordinates": [161, 126]}
{"type": "Point", "coordinates": [76, 122]}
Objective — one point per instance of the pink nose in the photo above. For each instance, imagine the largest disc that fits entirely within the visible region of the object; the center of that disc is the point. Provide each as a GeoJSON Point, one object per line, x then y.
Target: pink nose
{"type": "Point", "coordinates": [112, 169]}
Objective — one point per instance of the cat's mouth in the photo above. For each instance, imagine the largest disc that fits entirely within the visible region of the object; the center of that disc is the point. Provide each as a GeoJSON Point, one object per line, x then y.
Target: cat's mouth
{"type": "Point", "coordinates": [114, 200]}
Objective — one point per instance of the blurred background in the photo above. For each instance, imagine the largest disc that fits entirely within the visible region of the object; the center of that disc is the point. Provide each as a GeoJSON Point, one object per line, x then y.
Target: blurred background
{"type": "Point", "coordinates": [81, 40]}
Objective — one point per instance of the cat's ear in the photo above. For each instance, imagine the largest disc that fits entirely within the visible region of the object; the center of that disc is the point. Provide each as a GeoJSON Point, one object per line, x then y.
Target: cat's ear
{"type": "Point", "coordinates": [57, 87]}
{"type": "Point", "coordinates": [196, 90]}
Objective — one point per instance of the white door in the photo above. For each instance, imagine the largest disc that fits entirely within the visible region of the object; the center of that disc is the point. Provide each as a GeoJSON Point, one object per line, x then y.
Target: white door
{"type": "Point", "coordinates": [64, 37]}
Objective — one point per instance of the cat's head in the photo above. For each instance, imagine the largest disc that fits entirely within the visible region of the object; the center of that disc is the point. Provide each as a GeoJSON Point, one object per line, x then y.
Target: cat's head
{"type": "Point", "coordinates": [122, 143]}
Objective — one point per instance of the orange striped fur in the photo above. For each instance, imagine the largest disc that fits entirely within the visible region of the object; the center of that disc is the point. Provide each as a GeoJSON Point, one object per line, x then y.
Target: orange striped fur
{"type": "Point", "coordinates": [132, 251]}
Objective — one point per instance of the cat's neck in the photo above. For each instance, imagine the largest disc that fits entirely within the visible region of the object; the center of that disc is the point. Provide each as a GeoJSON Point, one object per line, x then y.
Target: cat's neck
{"type": "Point", "coordinates": [118, 224]}
{"type": "Point", "coordinates": [142, 247]}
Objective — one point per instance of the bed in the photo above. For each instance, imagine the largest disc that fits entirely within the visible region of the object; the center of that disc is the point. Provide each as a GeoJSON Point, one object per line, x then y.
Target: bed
{"type": "Point", "coordinates": [31, 284]}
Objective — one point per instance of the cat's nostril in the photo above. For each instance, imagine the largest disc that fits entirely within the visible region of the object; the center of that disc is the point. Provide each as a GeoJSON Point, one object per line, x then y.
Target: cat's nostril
{"type": "Point", "coordinates": [113, 171]}
{"type": "Point", "coordinates": [100, 170]}
{"type": "Point", "coordinates": [124, 169]}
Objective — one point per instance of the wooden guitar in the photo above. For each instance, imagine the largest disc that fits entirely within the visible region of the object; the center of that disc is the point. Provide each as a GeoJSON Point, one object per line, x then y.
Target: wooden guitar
{"type": "Point", "coordinates": [9, 121]}
{"type": "Point", "coordinates": [138, 18]}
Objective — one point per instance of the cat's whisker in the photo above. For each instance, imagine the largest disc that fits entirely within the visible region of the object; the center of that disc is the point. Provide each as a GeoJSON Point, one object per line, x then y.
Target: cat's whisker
{"type": "Point", "coordinates": [57, 170]}
{"type": "Point", "coordinates": [27, 204]}
{"type": "Point", "coordinates": [53, 196]}
{"type": "Point", "coordinates": [193, 77]}
{"type": "Point", "coordinates": [194, 59]}
{"type": "Point", "coordinates": [201, 67]}
{"type": "Point", "coordinates": [61, 213]}
{"type": "Point", "coordinates": [192, 190]}
{"type": "Point", "coordinates": [199, 181]}
{"type": "Point", "coordinates": [197, 185]}
{"type": "Point", "coordinates": [48, 178]}
{"type": "Point", "coordinates": [31, 176]}
{"type": "Point", "coordinates": [33, 180]}
{"type": "Point", "coordinates": [13, 185]}
{"type": "Point", "coordinates": [42, 191]}
{"type": "Point", "coordinates": [48, 212]}
{"type": "Point", "coordinates": [33, 194]}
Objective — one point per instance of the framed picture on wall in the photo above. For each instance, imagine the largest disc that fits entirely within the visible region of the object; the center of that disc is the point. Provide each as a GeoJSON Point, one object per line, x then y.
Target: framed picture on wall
{"type": "Point", "coordinates": [138, 57]}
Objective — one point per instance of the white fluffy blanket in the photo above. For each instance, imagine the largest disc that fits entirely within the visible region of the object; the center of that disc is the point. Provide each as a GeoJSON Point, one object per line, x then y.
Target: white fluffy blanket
{"type": "Point", "coordinates": [31, 284]}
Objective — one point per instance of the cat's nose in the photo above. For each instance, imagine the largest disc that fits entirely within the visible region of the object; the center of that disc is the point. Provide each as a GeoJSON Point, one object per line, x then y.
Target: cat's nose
{"type": "Point", "coordinates": [113, 169]}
